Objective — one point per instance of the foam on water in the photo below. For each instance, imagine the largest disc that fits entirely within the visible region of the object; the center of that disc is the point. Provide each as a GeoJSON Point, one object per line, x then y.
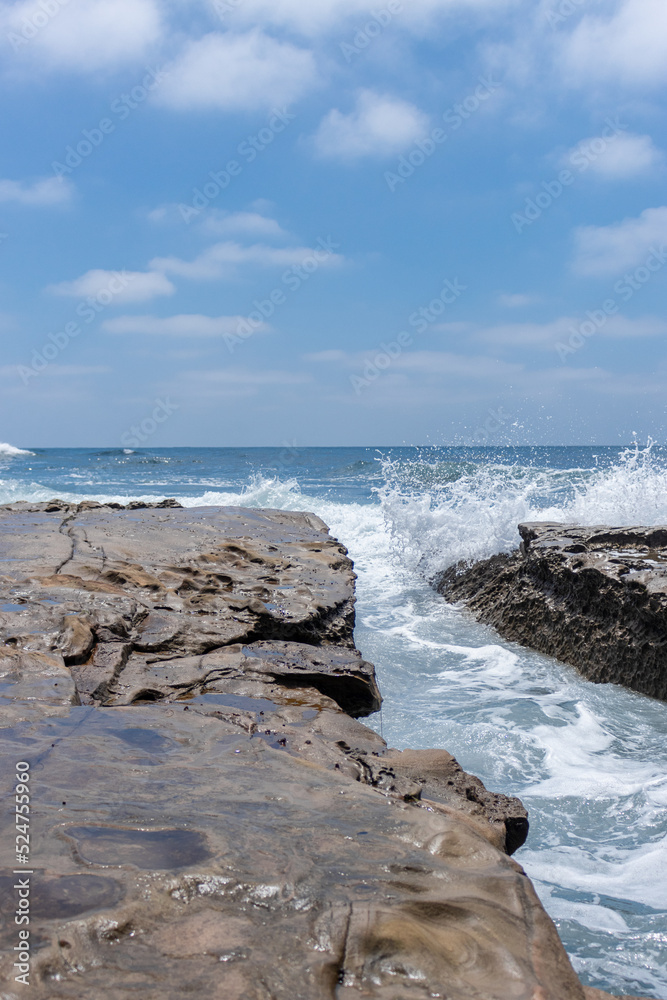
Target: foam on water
{"type": "Point", "coordinates": [9, 450]}
{"type": "Point", "coordinates": [475, 515]}
{"type": "Point", "coordinates": [589, 761]}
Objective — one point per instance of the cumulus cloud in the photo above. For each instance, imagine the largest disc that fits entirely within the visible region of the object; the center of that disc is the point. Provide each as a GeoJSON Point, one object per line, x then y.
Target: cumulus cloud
{"type": "Point", "coordinates": [630, 45]}
{"type": "Point", "coordinates": [514, 301]}
{"type": "Point", "coordinates": [243, 224]}
{"type": "Point", "coordinates": [609, 250]}
{"type": "Point", "coordinates": [194, 325]}
{"type": "Point", "coordinates": [49, 191]}
{"type": "Point", "coordinates": [222, 259]}
{"type": "Point", "coordinates": [378, 126]}
{"type": "Point", "coordinates": [545, 336]}
{"type": "Point", "coordinates": [325, 356]}
{"type": "Point", "coordinates": [82, 34]}
{"type": "Point", "coordinates": [623, 156]}
{"type": "Point", "coordinates": [237, 72]}
{"type": "Point", "coordinates": [313, 17]}
{"type": "Point", "coordinates": [242, 376]}
{"type": "Point", "coordinates": [120, 286]}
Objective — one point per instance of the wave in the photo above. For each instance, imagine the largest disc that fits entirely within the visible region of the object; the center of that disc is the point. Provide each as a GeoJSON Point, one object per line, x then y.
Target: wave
{"type": "Point", "coordinates": [467, 515]}
{"type": "Point", "coordinates": [10, 450]}
{"type": "Point", "coordinates": [427, 513]}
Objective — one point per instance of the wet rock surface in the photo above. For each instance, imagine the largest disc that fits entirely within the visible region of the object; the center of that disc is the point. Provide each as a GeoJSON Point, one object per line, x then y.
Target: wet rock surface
{"type": "Point", "coordinates": [593, 597]}
{"type": "Point", "coordinates": [208, 817]}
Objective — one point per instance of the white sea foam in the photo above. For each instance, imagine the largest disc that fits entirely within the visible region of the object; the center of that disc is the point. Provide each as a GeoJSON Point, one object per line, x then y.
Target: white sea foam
{"type": "Point", "coordinates": [476, 514]}
{"type": "Point", "coordinates": [11, 451]}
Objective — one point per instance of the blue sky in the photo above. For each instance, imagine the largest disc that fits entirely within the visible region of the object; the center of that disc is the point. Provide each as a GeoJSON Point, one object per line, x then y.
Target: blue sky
{"type": "Point", "coordinates": [261, 222]}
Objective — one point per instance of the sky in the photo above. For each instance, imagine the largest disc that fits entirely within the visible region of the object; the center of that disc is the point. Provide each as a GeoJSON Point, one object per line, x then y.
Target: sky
{"type": "Point", "coordinates": [328, 222]}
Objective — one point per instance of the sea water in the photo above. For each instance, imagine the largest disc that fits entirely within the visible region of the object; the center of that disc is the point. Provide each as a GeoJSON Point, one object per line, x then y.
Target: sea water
{"type": "Point", "coordinates": [589, 761]}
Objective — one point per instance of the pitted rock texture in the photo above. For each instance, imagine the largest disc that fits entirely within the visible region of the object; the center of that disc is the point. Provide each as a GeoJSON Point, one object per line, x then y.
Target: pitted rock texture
{"type": "Point", "coordinates": [593, 597]}
{"type": "Point", "coordinates": [208, 817]}
{"type": "Point", "coordinates": [184, 849]}
{"type": "Point", "coordinates": [104, 591]}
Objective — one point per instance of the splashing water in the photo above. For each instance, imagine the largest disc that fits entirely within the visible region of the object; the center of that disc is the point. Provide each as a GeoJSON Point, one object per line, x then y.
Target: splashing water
{"type": "Point", "coordinates": [10, 450]}
{"type": "Point", "coordinates": [475, 515]}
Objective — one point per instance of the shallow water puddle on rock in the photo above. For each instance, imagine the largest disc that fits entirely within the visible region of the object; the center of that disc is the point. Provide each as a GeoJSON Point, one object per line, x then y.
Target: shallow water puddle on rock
{"type": "Point", "coordinates": [149, 849]}
{"type": "Point", "coordinates": [67, 896]}
{"type": "Point", "coordinates": [145, 739]}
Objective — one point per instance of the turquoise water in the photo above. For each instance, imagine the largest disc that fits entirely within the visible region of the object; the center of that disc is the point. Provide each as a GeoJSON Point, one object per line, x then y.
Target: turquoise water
{"type": "Point", "coordinates": [589, 761]}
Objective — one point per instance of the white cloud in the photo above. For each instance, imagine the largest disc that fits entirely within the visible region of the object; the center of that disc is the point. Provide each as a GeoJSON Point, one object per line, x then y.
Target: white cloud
{"type": "Point", "coordinates": [233, 72]}
{"type": "Point", "coordinates": [82, 34]}
{"type": "Point", "coordinates": [625, 155]}
{"type": "Point", "coordinates": [629, 46]}
{"type": "Point", "coordinates": [516, 301]}
{"type": "Point", "coordinates": [644, 326]}
{"type": "Point", "coordinates": [118, 286]}
{"type": "Point", "coordinates": [61, 371]}
{"type": "Point", "coordinates": [312, 17]}
{"type": "Point", "coordinates": [243, 224]}
{"type": "Point", "coordinates": [438, 363]}
{"type": "Point", "coordinates": [178, 326]}
{"type": "Point", "coordinates": [609, 250]}
{"type": "Point", "coordinates": [378, 126]}
{"type": "Point", "coordinates": [546, 335]}
{"type": "Point", "coordinates": [538, 335]}
{"type": "Point", "coordinates": [49, 191]}
{"type": "Point", "coordinates": [243, 376]}
{"type": "Point", "coordinates": [325, 356]}
{"type": "Point", "coordinates": [222, 259]}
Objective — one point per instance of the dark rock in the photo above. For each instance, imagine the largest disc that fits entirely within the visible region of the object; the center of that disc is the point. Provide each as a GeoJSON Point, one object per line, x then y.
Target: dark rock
{"type": "Point", "coordinates": [595, 598]}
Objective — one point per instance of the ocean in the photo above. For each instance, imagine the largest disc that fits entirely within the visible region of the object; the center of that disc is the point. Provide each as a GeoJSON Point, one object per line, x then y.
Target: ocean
{"type": "Point", "coordinates": [589, 761]}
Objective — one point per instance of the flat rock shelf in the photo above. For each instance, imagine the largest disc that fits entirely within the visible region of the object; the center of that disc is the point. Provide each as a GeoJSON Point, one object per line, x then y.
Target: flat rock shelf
{"type": "Point", "coordinates": [208, 817]}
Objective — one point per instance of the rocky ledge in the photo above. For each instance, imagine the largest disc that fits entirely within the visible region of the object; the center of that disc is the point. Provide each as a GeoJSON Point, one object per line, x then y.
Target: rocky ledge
{"type": "Point", "coordinates": [593, 597]}
{"type": "Point", "coordinates": [207, 814]}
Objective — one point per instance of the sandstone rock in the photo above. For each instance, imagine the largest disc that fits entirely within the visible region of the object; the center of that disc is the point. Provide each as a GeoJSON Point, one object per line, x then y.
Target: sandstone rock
{"type": "Point", "coordinates": [595, 598]}
{"type": "Point", "coordinates": [226, 864]}
{"type": "Point", "coordinates": [211, 819]}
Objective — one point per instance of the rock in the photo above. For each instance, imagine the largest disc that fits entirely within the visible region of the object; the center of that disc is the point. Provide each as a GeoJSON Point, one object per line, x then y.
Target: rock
{"type": "Point", "coordinates": [211, 818]}
{"type": "Point", "coordinates": [170, 581]}
{"type": "Point", "coordinates": [228, 864]}
{"type": "Point", "coordinates": [593, 597]}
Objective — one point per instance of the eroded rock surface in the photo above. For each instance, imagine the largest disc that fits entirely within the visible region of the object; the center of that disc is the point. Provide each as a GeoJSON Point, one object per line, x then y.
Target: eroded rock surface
{"type": "Point", "coordinates": [593, 597]}
{"type": "Point", "coordinates": [207, 816]}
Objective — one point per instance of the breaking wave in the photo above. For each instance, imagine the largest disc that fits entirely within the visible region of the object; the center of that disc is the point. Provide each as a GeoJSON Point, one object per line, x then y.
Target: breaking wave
{"type": "Point", "coordinates": [10, 450]}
